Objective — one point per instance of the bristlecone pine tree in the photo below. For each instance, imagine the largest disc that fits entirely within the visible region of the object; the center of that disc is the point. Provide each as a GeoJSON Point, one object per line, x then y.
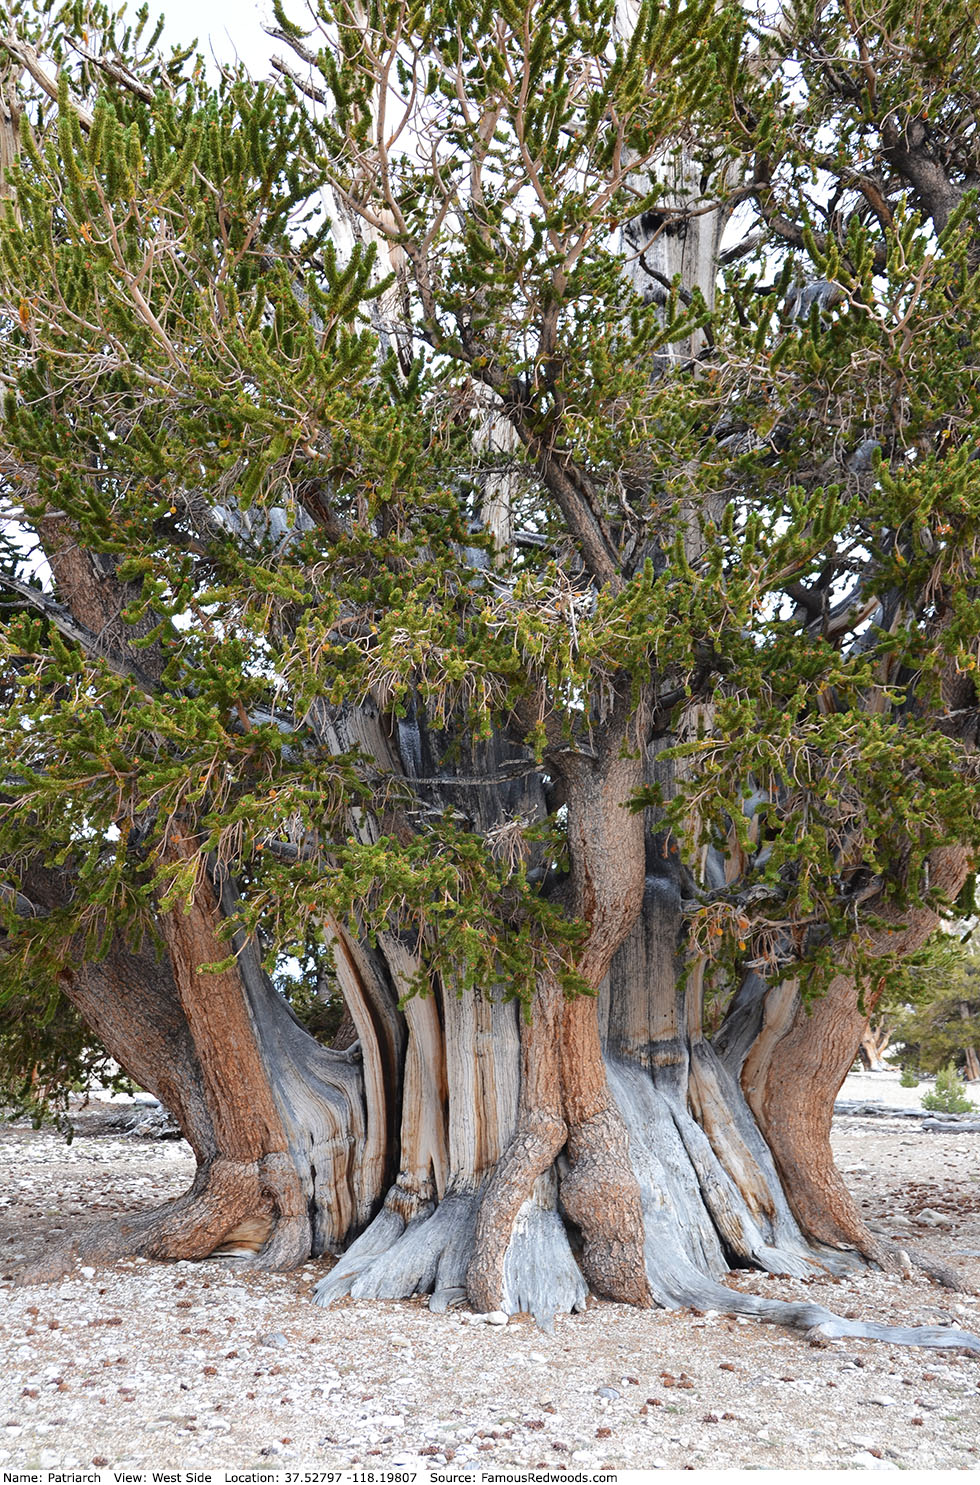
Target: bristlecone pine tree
{"type": "Point", "coordinates": [496, 508]}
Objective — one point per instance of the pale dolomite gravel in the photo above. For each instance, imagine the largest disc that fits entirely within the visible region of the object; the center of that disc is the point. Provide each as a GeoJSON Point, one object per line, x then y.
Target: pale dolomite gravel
{"type": "Point", "coordinates": [208, 1365]}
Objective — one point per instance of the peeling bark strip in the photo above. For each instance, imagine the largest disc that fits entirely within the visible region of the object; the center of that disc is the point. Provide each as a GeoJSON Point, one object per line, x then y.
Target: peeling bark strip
{"type": "Point", "coordinates": [540, 1134]}
{"type": "Point", "coordinates": [795, 1070]}
{"type": "Point", "coordinates": [222, 1029]}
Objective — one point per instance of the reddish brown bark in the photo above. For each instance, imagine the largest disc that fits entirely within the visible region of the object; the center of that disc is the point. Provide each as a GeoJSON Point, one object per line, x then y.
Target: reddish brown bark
{"type": "Point", "coordinates": [248, 1128]}
{"type": "Point", "coordinates": [794, 1072]}
{"type": "Point", "coordinates": [130, 1002]}
{"type": "Point", "coordinates": [565, 1099]}
{"type": "Point", "coordinates": [599, 1190]}
{"type": "Point", "coordinates": [791, 1087]}
{"type": "Point", "coordinates": [86, 582]}
{"type": "Point", "coordinates": [189, 1038]}
{"type": "Point", "coordinates": [217, 1015]}
{"type": "Point", "coordinates": [540, 1135]}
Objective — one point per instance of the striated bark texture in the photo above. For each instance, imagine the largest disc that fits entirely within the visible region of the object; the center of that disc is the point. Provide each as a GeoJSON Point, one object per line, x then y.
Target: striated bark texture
{"type": "Point", "coordinates": [603, 1144]}
{"type": "Point", "coordinates": [274, 1120]}
{"type": "Point", "coordinates": [680, 1184]}
{"type": "Point", "coordinates": [795, 1069]}
{"type": "Point", "coordinates": [457, 1149]}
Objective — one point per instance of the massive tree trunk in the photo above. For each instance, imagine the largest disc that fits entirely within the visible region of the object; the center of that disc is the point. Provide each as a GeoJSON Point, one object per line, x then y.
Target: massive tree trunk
{"type": "Point", "coordinates": [674, 1183]}
{"type": "Point", "coordinates": [463, 1150]}
{"type": "Point", "coordinates": [606, 1144]}
{"type": "Point", "coordinates": [276, 1122]}
{"type": "Point", "coordinates": [600, 1143]}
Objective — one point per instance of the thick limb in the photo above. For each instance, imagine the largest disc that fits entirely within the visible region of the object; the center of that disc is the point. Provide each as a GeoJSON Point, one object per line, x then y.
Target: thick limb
{"type": "Point", "coordinates": [791, 1077]}
{"type": "Point", "coordinates": [794, 1068]}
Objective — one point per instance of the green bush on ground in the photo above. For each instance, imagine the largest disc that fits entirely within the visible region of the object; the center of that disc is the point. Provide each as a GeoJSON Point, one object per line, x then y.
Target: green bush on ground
{"type": "Point", "coordinates": [949, 1095]}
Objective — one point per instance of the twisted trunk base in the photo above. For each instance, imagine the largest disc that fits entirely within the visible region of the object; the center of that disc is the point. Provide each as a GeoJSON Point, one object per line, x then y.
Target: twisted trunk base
{"type": "Point", "coordinates": [604, 1145]}
{"type": "Point", "coordinates": [628, 1161]}
{"type": "Point", "coordinates": [225, 1196]}
{"type": "Point", "coordinates": [275, 1121]}
{"type": "Point", "coordinates": [709, 1201]}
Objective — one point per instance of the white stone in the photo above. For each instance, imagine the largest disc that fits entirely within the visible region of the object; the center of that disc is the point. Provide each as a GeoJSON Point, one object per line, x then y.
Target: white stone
{"type": "Point", "coordinates": [929, 1218]}
{"type": "Point", "coordinates": [496, 1317]}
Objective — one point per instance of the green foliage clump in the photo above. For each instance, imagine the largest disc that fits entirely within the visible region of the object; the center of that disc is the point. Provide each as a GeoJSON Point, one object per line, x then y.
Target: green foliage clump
{"type": "Point", "coordinates": [46, 1055]}
{"type": "Point", "coordinates": [909, 1078]}
{"type": "Point", "coordinates": [933, 1004]}
{"type": "Point", "coordinates": [949, 1095]}
{"type": "Point", "coordinates": [246, 347]}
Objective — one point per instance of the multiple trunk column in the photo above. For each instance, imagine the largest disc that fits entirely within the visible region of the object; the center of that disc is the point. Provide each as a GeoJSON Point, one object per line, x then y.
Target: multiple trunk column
{"type": "Point", "coordinates": [602, 1143]}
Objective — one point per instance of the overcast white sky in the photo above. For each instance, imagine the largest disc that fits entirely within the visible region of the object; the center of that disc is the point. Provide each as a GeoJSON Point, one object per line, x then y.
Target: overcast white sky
{"type": "Point", "coordinates": [224, 28]}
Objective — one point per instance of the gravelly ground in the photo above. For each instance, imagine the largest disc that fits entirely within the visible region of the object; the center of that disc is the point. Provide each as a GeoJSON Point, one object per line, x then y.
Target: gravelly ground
{"type": "Point", "coordinates": [159, 1365]}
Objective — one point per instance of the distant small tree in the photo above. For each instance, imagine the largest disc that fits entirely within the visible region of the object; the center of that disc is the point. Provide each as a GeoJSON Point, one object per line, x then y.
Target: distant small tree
{"type": "Point", "coordinates": [934, 1007]}
{"type": "Point", "coordinates": [949, 1095]}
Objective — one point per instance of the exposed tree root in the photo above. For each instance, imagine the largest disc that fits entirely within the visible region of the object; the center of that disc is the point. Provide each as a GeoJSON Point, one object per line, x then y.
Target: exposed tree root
{"type": "Point", "coordinates": [532, 1151]}
{"type": "Point", "coordinates": [708, 1196]}
{"type": "Point", "coordinates": [939, 1273]}
{"type": "Point", "coordinates": [224, 1195]}
{"type": "Point", "coordinates": [820, 1323]}
{"type": "Point", "coordinates": [429, 1255]}
{"type": "Point", "coordinates": [599, 1192]}
{"type": "Point", "coordinates": [541, 1274]}
{"type": "Point", "coordinates": [432, 1253]}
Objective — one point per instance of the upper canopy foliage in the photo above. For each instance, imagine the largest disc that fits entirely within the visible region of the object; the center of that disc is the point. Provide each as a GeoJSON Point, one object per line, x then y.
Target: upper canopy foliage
{"type": "Point", "coordinates": [341, 382]}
